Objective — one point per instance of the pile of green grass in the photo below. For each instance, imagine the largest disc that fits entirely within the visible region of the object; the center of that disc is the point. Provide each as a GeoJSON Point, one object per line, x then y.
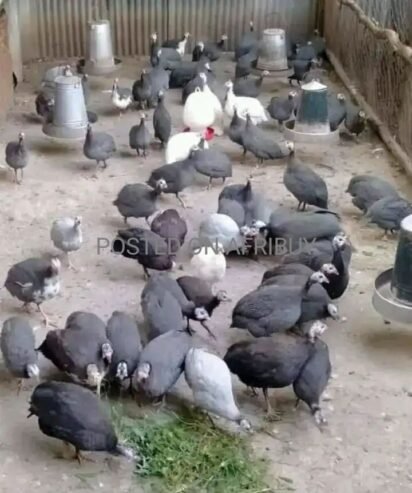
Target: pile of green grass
{"type": "Point", "coordinates": [185, 454]}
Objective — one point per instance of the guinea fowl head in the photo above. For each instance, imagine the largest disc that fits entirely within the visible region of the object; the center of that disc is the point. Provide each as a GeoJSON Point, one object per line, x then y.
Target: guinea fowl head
{"type": "Point", "coordinates": [161, 185]}
{"type": "Point", "coordinates": [186, 35]}
{"type": "Point", "coordinates": [362, 115]}
{"type": "Point", "coordinates": [316, 330]}
{"type": "Point", "coordinates": [251, 26]}
{"type": "Point", "coordinates": [222, 296]}
{"type": "Point", "coordinates": [229, 85]}
{"type": "Point", "coordinates": [153, 37]}
{"type": "Point", "coordinates": [115, 85]}
{"type": "Point", "coordinates": [265, 73]}
{"type": "Point", "coordinates": [339, 241]}
{"type": "Point", "coordinates": [224, 37]}
{"type": "Point", "coordinates": [290, 146]}
{"type": "Point", "coordinates": [341, 97]}
{"type": "Point", "coordinates": [55, 266]}
{"type": "Point", "coordinates": [21, 137]}
{"type": "Point", "coordinates": [200, 45]}
{"type": "Point", "coordinates": [94, 377]}
{"type": "Point", "coordinates": [160, 96]}
{"type": "Point", "coordinates": [121, 371]}
{"type": "Point", "coordinates": [292, 94]}
{"type": "Point", "coordinates": [318, 277]}
{"type": "Point", "coordinates": [143, 372]}
{"type": "Point", "coordinates": [32, 370]}
{"type": "Point", "coordinates": [107, 353]}
{"type": "Point", "coordinates": [244, 424]}
{"type": "Point", "coordinates": [333, 311]}
{"type": "Point", "coordinates": [201, 314]}
{"type": "Point", "coordinates": [329, 270]}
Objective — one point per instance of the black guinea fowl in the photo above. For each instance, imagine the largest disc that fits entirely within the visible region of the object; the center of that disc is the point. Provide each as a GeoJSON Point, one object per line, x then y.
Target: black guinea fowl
{"type": "Point", "coordinates": [355, 120]}
{"type": "Point", "coordinates": [162, 121]}
{"type": "Point", "coordinates": [142, 90]}
{"type": "Point", "coordinates": [76, 416]}
{"type": "Point", "coordinates": [170, 226]}
{"type": "Point", "coordinates": [98, 146]}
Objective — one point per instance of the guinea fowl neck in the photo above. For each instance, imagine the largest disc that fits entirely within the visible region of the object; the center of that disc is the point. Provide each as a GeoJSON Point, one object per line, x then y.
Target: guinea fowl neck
{"type": "Point", "coordinates": [337, 260]}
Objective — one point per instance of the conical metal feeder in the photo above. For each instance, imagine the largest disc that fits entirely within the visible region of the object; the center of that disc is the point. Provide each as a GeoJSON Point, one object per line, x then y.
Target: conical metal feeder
{"type": "Point", "coordinates": [48, 85]}
{"type": "Point", "coordinates": [99, 56]}
{"type": "Point", "coordinates": [312, 121]}
{"type": "Point", "coordinates": [392, 297]}
{"type": "Point", "coordinates": [69, 113]}
{"type": "Point", "coordinates": [273, 51]}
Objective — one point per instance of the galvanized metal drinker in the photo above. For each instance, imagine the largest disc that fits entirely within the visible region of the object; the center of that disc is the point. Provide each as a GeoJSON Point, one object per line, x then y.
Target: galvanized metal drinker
{"type": "Point", "coordinates": [272, 51]}
{"type": "Point", "coordinates": [99, 56]}
{"type": "Point", "coordinates": [392, 297]}
{"type": "Point", "coordinates": [312, 120]}
{"type": "Point", "coordinates": [69, 113]}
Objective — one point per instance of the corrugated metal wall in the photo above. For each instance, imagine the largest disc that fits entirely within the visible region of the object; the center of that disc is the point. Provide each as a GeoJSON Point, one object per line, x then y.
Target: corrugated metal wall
{"type": "Point", "coordinates": [57, 28]}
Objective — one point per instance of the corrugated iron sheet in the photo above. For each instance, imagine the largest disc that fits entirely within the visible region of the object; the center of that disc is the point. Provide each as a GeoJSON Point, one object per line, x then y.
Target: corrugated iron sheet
{"type": "Point", "coordinates": [57, 28]}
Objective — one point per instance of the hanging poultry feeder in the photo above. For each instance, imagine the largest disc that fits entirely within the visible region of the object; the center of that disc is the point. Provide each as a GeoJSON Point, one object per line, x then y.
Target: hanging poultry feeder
{"type": "Point", "coordinates": [312, 121]}
{"type": "Point", "coordinates": [273, 52]}
{"type": "Point", "coordinates": [99, 57]}
{"type": "Point", "coordinates": [392, 297]}
{"type": "Point", "coordinates": [48, 85]}
{"type": "Point", "coordinates": [69, 113]}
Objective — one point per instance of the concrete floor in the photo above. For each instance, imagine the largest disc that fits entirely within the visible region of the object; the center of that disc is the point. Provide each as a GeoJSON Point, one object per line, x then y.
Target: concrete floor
{"type": "Point", "coordinates": [367, 444]}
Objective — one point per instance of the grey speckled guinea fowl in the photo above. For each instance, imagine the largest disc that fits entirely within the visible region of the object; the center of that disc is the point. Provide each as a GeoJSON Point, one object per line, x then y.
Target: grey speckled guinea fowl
{"type": "Point", "coordinates": [139, 137]}
{"type": "Point", "coordinates": [17, 157]}
{"type": "Point", "coordinates": [387, 213]}
{"type": "Point", "coordinates": [236, 130]}
{"type": "Point", "coordinates": [248, 87]}
{"type": "Point", "coordinates": [281, 109]}
{"type": "Point", "coordinates": [212, 163]}
{"type": "Point", "coordinates": [336, 110]}
{"type": "Point", "coordinates": [304, 184]}
{"type": "Point", "coordinates": [366, 190]}
{"type": "Point", "coordinates": [355, 121]}
{"type": "Point", "coordinates": [317, 305]}
{"type": "Point", "coordinates": [162, 121]}
{"type": "Point", "coordinates": [98, 146]}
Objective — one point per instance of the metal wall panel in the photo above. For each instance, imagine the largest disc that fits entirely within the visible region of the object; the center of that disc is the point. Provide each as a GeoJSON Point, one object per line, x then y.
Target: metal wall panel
{"type": "Point", "coordinates": [57, 28]}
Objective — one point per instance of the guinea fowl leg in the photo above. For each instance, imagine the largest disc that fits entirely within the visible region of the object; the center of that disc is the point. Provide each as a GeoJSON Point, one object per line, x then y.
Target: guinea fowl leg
{"type": "Point", "coordinates": [252, 391]}
{"type": "Point", "coordinates": [204, 324]}
{"type": "Point", "coordinates": [16, 179]}
{"type": "Point", "coordinates": [209, 184]}
{"type": "Point", "coordinates": [81, 458]}
{"type": "Point", "coordinates": [179, 198]}
{"type": "Point", "coordinates": [70, 265]}
{"type": "Point", "coordinates": [46, 319]}
{"type": "Point", "coordinates": [104, 164]}
{"type": "Point", "coordinates": [146, 273]}
{"type": "Point", "coordinates": [19, 386]}
{"type": "Point", "coordinates": [271, 414]}
{"type": "Point", "coordinates": [27, 307]}
{"type": "Point", "coordinates": [243, 155]}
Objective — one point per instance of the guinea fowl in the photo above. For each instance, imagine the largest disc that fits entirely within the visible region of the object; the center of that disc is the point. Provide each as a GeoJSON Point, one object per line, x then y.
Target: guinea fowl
{"type": "Point", "coordinates": [197, 81]}
{"type": "Point", "coordinates": [306, 52]}
{"type": "Point", "coordinates": [317, 305]}
{"type": "Point", "coordinates": [162, 121]}
{"type": "Point", "coordinates": [336, 110]}
{"type": "Point", "coordinates": [233, 209]}
{"type": "Point", "coordinates": [159, 81]}
{"type": "Point", "coordinates": [139, 137]}
{"type": "Point", "coordinates": [123, 334]}
{"type": "Point", "coordinates": [248, 41]}
{"type": "Point", "coordinates": [212, 163]}
{"type": "Point", "coordinates": [243, 195]}
{"type": "Point", "coordinates": [282, 360]}
{"type": "Point", "coordinates": [300, 69]}
{"type": "Point", "coordinates": [81, 350]}
{"type": "Point", "coordinates": [184, 72]}
{"type": "Point", "coordinates": [300, 278]}
{"type": "Point", "coordinates": [122, 97]}
{"type": "Point", "coordinates": [44, 104]}
{"type": "Point", "coordinates": [75, 415]}
{"type": "Point", "coordinates": [249, 87]}
{"type": "Point", "coordinates": [209, 263]}
{"type": "Point", "coordinates": [297, 269]}
{"type": "Point", "coordinates": [162, 362]}
{"type": "Point", "coordinates": [246, 63]}
{"type": "Point", "coordinates": [221, 229]}
{"type": "Point", "coordinates": [281, 109]}
{"type": "Point", "coordinates": [168, 58]}
{"type": "Point", "coordinates": [170, 226]}
{"type": "Point", "coordinates": [387, 213]}
{"type": "Point", "coordinates": [98, 146]}
{"type": "Point", "coordinates": [355, 120]}
{"type": "Point", "coordinates": [178, 44]}
{"type": "Point", "coordinates": [138, 200]}
{"type": "Point", "coordinates": [270, 309]}
{"type": "Point", "coordinates": [209, 378]}
{"type": "Point", "coordinates": [150, 250]}
{"type": "Point", "coordinates": [34, 280]}
{"type": "Point", "coordinates": [17, 157]}
{"type": "Point", "coordinates": [244, 106]}
{"type": "Point", "coordinates": [66, 235]}
{"type": "Point", "coordinates": [305, 184]}
{"type": "Point", "coordinates": [17, 345]}
{"type": "Point", "coordinates": [319, 44]}
{"type": "Point", "coordinates": [177, 176]}
{"type": "Point", "coordinates": [142, 90]}
{"type": "Point", "coordinates": [179, 146]}
{"type": "Point", "coordinates": [366, 190]}
{"type": "Point", "coordinates": [236, 130]}
{"type": "Point", "coordinates": [256, 141]}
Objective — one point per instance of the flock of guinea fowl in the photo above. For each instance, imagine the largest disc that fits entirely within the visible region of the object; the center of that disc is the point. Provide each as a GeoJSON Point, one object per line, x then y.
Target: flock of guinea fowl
{"type": "Point", "coordinates": [285, 314]}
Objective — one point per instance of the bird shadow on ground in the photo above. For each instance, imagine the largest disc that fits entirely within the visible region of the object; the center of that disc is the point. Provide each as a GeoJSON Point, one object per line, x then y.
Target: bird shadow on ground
{"type": "Point", "coordinates": [51, 148]}
{"type": "Point", "coordinates": [392, 342]}
{"type": "Point", "coordinates": [29, 118]}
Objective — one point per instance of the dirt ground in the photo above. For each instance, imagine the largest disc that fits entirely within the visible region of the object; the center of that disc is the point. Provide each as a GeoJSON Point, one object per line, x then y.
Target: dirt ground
{"type": "Point", "coordinates": [366, 446]}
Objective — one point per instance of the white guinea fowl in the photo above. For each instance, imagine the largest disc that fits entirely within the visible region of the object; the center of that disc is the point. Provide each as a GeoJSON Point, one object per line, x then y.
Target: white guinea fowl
{"type": "Point", "coordinates": [180, 145]}
{"type": "Point", "coordinates": [209, 378]}
{"type": "Point", "coordinates": [214, 102]}
{"type": "Point", "coordinates": [244, 106]}
{"type": "Point", "coordinates": [209, 263]}
{"type": "Point", "coordinates": [198, 112]}
{"type": "Point", "coordinates": [220, 228]}
{"type": "Point", "coordinates": [66, 235]}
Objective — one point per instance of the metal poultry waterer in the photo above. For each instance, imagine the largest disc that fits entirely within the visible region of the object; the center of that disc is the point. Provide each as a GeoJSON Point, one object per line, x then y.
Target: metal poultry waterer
{"type": "Point", "coordinates": [312, 120]}
{"type": "Point", "coordinates": [69, 114]}
{"type": "Point", "coordinates": [392, 297]}
{"type": "Point", "coordinates": [272, 51]}
{"type": "Point", "coordinates": [99, 57]}
{"type": "Point", "coordinates": [48, 83]}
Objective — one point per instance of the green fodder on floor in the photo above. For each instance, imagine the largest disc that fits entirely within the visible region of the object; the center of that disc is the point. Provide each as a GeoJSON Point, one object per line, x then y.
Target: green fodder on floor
{"type": "Point", "coordinates": [186, 454]}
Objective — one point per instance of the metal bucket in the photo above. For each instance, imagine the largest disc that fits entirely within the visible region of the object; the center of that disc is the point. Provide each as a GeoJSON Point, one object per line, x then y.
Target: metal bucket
{"type": "Point", "coordinates": [99, 56]}
{"type": "Point", "coordinates": [272, 51]}
{"type": "Point", "coordinates": [69, 114]}
{"type": "Point", "coordinates": [48, 85]}
{"type": "Point", "coordinates": [312, 115]}
{"type": "Point", "coordinates": [402, 272]}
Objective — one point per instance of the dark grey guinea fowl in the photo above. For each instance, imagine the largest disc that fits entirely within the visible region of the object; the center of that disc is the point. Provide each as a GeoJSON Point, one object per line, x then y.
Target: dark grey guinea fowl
{"type": "Point", "coordinates": [184, 72]}
{"type": "Point", "coordinates": [236, 130]}
{"type": "Point", "coordinates": [300, 69]}
{"type": "Point", "coordinates": [161, 312]}
{"type": "Point", "coordinates": [98, 146]}
{"type": "Point", "coordinates": [162, 121]}
{"type": "Point", "coordinates": [248, 41]}
{"type": "Point", "coordinates": [150, 250]}
{"type": "Point", "coordinates": [246, 63]}
{"type": "Point", "coordinates": [17, 156]}
{"type": "Point", "coordinates": [256, 141]}
{"type": "Point", "coordinates": [75, 415]}
{"type": "Point", "coordinates": [138, 200]}
{"type": "Point", "coordinates": [243, 195]}
{"type": "Point", "coordinates": [319, 44]}
{"type": "Point", "coordinates": [317, 305]}
{"type": "Point", "coordinates": [123, 334]}
{"type": "Point", "coordinates": [296, 269]}
{"type": "Point", "coordinates": [168, 58]}
{"type": "Point", "coordinates": [190, 87]}
{"type": "Point", "coordinates": [282, 360]}
{"type": "Point", "coordinates": [213, 50]}
{"type": "Point", "coordinates": [281, 109]}
{"type": "Point", "coordinates": [176, 42]}
{"type": "Point", "coordinates": [142, 90]}
{"type": "Point", "coordinates": [199, 291]}
{"type": "Point", "coordinates": [355, 120]}
{"type": "Point", "coordinates": [34, 280]}
{"type": "Point", "coordinates": [305, 184]}
{"type": "Point", "coordinates": [44, 104]}
{"type": "Point", "coordinates": [159, 81]}
{"type": "Point", "coordinates": [139, 137]}
{"type": "Point", "coordinates": [296, 279]}
{"type": "Point", "coordinates": [178, 176]}
{"type": "Point", "coordinates": [17, 345]}
{"type": "Point", "coordinates": [306, 52]}
{"type": "Point", "coordinates": [336, 110]}
{"type": "Point", "coordinates": [170, 226]}
{"type": "Point", "coordinates": [249, 87]}
{"type": "Point", "coordinates": [366, 190]}
{"type": "Point", "coordinates": [212, 163]}
{"type": "Point", "coordinates": [162, 362]}
{"type": "Point", "coordinates": [233, 209]}
{"type": "Point", "coordinates": [387, 213]}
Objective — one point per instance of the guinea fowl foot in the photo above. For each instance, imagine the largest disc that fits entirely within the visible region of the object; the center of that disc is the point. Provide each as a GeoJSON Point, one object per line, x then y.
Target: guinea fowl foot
{"type": "Point", "coordinates": [46, 319]}
{"type": "Point", "coordinates": [27, 308]}
{"type": "Point", "coordinates": [320, 420]}
{"type": "Point", "coordinates": [271, 414]}
{"type": "Point", "coordinates": [160, 402]}
{"type": "Point", "coordinates": [251, 391]}
{"type": "Point", "coordinates": [82, 458]}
